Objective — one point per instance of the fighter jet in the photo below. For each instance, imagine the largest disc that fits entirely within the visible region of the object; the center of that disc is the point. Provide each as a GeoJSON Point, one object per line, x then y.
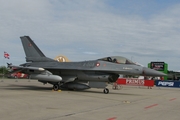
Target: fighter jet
{"type": "Point", "coordinates": [77, 75]}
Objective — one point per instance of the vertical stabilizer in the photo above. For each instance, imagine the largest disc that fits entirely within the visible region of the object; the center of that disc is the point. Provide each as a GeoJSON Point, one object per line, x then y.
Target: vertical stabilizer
{"type": "Point", "coordinates": [33, 53]}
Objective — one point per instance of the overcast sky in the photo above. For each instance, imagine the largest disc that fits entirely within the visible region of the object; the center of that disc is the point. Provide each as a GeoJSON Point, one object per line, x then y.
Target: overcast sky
{"type": "Point", "coordinates": [141, 30]}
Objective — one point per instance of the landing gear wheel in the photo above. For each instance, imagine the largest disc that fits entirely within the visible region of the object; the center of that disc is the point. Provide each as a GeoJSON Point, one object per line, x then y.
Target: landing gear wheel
{"type": "Point", "coordinates": [106, 91]}
{"type": "Point", "coordinates": [56, 87]}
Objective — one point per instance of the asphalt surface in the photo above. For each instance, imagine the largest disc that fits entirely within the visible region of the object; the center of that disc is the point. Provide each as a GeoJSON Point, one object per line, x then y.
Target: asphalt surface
{"type": "Point", "coordinates": [31, 100]}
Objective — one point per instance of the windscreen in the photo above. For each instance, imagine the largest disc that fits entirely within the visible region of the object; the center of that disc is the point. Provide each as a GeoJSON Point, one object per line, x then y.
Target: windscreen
{"type": "Point", "coordinates": [117, 59]}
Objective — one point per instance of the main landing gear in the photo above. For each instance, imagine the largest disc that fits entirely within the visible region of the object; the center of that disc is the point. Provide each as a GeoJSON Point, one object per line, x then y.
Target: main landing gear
{"type": "Point", "coordinates": [106, 90]}
{"type": "Point", "coordinates": [55, 87]}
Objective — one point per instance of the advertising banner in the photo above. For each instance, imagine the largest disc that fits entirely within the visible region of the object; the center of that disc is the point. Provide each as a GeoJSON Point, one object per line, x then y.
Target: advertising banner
{"type": "Point", "coordinates": [121, 81]}
{"type": "Point", "coordinates": [167, 83]}
{"type": "Point", "coordinates": [157, 66]}
{"type": "Point", "coordinates": [135, 82]}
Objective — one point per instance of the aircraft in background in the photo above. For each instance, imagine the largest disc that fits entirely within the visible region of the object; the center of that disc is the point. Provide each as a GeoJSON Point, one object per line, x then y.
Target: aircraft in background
{"type": "Point", "coordinates": [77, 75]}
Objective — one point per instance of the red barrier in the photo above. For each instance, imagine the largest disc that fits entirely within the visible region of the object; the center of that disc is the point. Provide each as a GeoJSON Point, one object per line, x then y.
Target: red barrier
{"type": "Point", "coordinates": [135, 82]}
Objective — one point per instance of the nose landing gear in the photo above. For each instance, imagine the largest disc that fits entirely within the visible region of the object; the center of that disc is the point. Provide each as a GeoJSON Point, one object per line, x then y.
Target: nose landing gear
{"type": "Point", "coordinates": [106, 90]}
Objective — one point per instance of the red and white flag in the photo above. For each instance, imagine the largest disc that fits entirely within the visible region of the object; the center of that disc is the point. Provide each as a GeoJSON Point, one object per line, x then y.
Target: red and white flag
{"type": "Point", "coordinates": [6, 55]}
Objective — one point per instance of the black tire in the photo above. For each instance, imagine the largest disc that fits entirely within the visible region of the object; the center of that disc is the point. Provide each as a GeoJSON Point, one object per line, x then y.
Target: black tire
{"type": "Point", "coordinates": [56, 87]}
{"type": "Point", "coordinates": [106, 91]}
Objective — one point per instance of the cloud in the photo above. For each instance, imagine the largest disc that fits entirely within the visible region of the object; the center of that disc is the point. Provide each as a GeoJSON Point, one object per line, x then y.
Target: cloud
{"type": "Point", "coordinates": [90, 53]}
{"type": "Point", "coordinates": [91, 29]}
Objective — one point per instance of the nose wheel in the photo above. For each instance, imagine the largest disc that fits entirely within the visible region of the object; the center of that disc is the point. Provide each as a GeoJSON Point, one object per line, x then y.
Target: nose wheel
{"type": "Point", "coordinates": [106, 91]}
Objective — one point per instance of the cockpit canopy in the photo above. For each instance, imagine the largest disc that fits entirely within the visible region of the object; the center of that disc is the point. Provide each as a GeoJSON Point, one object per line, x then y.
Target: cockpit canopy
{"type": "Point", "coordinates": [117, 59]}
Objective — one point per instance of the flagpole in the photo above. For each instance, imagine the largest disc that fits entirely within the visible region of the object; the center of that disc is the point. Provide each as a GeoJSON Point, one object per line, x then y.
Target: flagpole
{"type": "Point", "coordinates": [6, 55]}
{"type": "Point", "coordinates": [3, 69]}
{"type": "Point", "coordinates": [2, 80]}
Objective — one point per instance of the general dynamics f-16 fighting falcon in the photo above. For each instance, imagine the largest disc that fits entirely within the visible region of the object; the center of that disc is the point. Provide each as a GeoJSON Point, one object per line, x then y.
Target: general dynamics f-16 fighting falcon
{"type": "Point", "coordinates": [77, 75]}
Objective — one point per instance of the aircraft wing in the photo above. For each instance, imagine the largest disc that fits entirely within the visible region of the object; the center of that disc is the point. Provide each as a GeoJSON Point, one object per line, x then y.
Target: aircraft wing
{"type": "Point", "coordinates": [16, 69]}
{"type": "Point", "coordinates": [30, 68]}
{"type": "Point", "coordinates": [38, 73]}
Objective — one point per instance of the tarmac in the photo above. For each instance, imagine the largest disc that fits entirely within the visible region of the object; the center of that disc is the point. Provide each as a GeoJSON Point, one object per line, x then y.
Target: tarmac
{"type": "Point", "coordinates": [25, 99]}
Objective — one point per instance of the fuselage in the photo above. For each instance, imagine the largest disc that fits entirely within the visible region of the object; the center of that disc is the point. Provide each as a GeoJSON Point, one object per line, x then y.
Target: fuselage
{"type": "Point", "coordinates": [94, 70]}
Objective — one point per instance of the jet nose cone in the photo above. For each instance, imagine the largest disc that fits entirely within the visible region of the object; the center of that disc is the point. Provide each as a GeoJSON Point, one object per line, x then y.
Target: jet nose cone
{"type": "Point", "coordinates": [151, 72]}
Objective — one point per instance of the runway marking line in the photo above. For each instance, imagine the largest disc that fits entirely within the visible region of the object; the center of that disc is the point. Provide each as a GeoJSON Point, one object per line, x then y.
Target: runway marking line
{"type": "Point", "coordinates": [113, 118]}
{"type": "Point", "coordinates": [150, 106]}
{"type": "Point", "coordinates": [172, 99]}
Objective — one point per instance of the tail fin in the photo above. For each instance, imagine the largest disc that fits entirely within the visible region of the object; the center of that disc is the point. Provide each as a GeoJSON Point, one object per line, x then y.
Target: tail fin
{"type": "Point", "coordinates": [33, 53]}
